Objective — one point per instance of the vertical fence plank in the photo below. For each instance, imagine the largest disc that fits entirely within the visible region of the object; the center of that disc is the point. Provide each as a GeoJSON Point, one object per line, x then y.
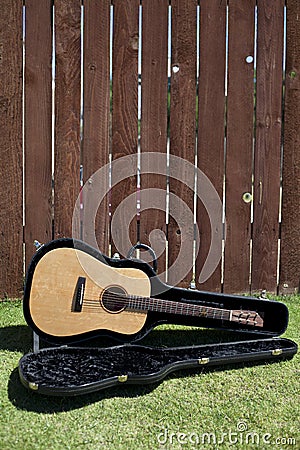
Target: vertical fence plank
{"type": "Point", "coordinates": [182, 135]}
{"type": "Point", "coordinates": [96, 105]}
{"type": "Point", "coordinates": [67, 113]}
{"type": "Point", "coordinates": [211, 126]}
{"type": "Point", "coordinates": [11, 222]}
{"type": "Point", "coordinates": [239, 148]}
{"type": "Point", "coordinates": [38, 120]}
{"type": "Point", "coordinates": [154, 123]}
{"type": "Point", "coordinates": [268, 145]}
{"type": "Point", "coordinates": [124, 123]}
{"type": "Point", "coordinates": [290, 235]}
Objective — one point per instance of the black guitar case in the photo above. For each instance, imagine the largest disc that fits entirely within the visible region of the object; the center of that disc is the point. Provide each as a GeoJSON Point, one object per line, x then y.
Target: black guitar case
{"type": "Point", "coordinates": [76, 366]}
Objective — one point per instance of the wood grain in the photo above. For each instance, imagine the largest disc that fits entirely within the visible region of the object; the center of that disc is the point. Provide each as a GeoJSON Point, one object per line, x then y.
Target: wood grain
{"type": "Point", "coordinates": [38, 123]}
{"type": "Point", "coordinates": [67, 113]}
{"type": "Point", "coordinates": [125, 121]}
{"type": "Point", "coordinates": [268, 145]}
{"type": "Point", "coordinates": [118, 130]}
{"type": "Point", "coordinates": [53, 287]}
{"type": "Point", "coordinates": [290, 235]}
{"type": "Point", "coordinates": [11, 220]}
{"type": "Point", "coordinates": [96, 106]}
{"type": "Point", "coordinates": [154, 124]}
{"type": "Point", "coordinates": [239, 147]}
{"type": "Point", "coordinates": [182, 134]}
{"type": "Point", "coordinates": [211, 125]}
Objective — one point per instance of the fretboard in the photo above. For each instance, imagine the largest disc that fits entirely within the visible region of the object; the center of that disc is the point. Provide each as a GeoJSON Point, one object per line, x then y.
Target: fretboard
{"type": "Point", "coordinates": [171, 307]}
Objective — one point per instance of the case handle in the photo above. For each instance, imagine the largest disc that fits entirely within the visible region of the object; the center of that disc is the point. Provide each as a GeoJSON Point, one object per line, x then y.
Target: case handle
{"type": "Point", "coordinates": [144, 247]}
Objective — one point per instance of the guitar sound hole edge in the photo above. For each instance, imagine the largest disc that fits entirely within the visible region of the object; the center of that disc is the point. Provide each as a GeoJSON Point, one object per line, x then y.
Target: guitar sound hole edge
{"type": "Point", "coordinates": [114, 299]}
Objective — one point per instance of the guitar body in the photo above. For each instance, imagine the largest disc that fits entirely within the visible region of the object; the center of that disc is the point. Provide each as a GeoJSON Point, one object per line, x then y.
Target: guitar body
{"type": "Point", "coordinates": [52, 292]}
{"type": "Point", "coordinates": [71, 288]}
{"type": "Point", "coordinates": [51, 284]}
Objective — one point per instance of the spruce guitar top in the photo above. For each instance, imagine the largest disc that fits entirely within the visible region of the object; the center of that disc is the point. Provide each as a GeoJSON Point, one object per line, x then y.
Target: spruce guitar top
{"type": "Point", "coordinates": [73, 292]}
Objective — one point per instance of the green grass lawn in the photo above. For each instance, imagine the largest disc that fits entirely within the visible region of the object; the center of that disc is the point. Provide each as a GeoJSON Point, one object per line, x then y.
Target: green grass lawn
{"type": "Point", "coordinates": [234, 406]}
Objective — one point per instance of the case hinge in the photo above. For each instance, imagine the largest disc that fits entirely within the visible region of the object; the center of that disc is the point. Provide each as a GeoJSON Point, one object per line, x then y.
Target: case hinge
{"type": "Point", "coordinates": [203, 360]}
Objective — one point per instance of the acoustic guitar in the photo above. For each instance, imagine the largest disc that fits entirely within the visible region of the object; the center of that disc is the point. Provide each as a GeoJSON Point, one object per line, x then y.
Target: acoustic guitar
{"type": "Point", "coordinates": [73, 292]}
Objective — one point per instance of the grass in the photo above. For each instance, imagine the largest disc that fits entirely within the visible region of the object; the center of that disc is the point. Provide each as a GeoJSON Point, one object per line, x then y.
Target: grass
{"type": "Point", "coordinates": [179, 412]}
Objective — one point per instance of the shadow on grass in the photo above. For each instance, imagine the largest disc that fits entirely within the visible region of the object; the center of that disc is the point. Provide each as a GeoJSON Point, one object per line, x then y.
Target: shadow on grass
{"type": "Point", "coordinates": [19, 338]}
{"type": "Point", "coordinates": [27, 400]}
{"type": "Point", "coordinates": [16, 338]}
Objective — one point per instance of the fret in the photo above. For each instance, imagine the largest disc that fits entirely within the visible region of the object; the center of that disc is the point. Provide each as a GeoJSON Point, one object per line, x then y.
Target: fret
{"type": "Point", "coordinates": [165, 306]}
{"type": "Point", "coordinates": [182, 305]}
{"type": "Point", "coordinates": [137, 301]}
{"type": "Point", "coordinates": [194, 312]}
{"type": "Point", "coordinates": [144, 303]}
{"type": "Point", "coordinates": [132, 302]}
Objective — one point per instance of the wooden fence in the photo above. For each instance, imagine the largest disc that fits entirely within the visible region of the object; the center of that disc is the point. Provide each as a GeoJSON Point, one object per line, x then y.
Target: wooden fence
{"type": "Point", "coordinates": [213, 82]}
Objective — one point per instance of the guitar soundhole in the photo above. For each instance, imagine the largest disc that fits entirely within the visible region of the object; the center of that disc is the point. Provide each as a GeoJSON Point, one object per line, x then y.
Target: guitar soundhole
{"type": "Point", "coordinates": [114, 299]}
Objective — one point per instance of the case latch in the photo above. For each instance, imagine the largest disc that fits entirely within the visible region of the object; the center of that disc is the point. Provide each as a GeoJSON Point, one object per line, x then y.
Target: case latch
{"type": "Point", "coordinates": [203, 360]}
{"type": "Point", "coordinates": [122, 378]}
{"type": "Point", "coordinates": [277, 351]}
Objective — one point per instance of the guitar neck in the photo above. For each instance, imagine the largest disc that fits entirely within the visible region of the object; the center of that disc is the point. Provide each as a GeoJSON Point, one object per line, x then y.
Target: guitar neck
{"type": "Point", "coordinates": [114, 301]}
{"type": "Point", "coordinates": [172, 307]}
{"type": "Point", "coordinates": [243, 317]}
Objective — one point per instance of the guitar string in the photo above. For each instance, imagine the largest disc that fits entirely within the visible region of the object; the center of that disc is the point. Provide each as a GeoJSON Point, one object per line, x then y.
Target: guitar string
{"type": "Point", "coordinates": [116, 299]}
{"type": "Point", "coordinates": [250, 322]}
{"type": "Point", "coordinates": [96, 309]}
{"type": "Point", "coordinates": [245, 321]}
{"type": "Point", "coordinates": [138, 303]}
{"type": "Point", "coordinates": [186, 309]}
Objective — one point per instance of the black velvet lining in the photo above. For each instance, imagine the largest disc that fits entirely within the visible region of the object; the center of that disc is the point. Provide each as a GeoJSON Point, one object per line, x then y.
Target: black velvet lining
{"type": "Point", "coordinates": [67, 367]}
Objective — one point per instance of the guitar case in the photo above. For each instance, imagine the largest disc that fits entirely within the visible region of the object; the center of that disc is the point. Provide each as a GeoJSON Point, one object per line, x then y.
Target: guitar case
{"type": "Point", "coordinates": [95, 361]}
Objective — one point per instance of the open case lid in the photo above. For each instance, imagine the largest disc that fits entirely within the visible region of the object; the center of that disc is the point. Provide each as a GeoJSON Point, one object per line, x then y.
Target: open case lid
{"type": "Point", "coordinates": [79, 370]}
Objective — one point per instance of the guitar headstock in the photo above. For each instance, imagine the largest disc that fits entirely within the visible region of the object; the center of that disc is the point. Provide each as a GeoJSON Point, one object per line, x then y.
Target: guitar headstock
{"type": "Point", "coordinates": [251, 318]}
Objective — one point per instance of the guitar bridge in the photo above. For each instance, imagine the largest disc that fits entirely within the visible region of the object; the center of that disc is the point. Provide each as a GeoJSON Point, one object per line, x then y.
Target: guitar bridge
{"type": "Point", "coordinates": [78, 295]}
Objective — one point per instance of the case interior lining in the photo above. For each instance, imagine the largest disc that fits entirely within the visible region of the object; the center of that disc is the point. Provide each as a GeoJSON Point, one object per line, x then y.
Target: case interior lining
{"type": "Point", "coordinates": [75, 366]}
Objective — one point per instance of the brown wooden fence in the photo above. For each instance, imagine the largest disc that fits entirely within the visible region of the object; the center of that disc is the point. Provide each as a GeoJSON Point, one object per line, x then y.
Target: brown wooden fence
{"type": "Point", "coordinates": [213, 82]}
